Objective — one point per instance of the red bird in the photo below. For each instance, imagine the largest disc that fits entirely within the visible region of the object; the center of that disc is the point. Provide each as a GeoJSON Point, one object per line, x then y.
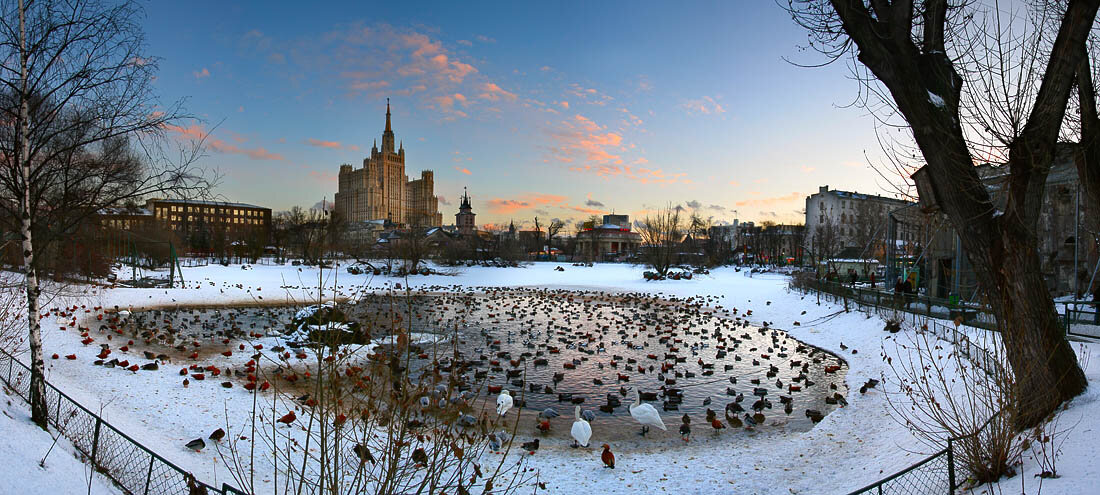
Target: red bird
{"type": "Point", "coordinates": [717, 425]}
{"type": "Point", "coordinates": [607, 457]}
{"type": "Point", "coordinates": [544, 426]}
{"type": "Point", "coordinates": [289, 418]}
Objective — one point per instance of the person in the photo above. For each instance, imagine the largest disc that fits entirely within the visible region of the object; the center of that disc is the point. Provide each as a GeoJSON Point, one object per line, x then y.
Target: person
{"type": "Point", "coordinates": [872, 280]}
{"type": "Point", "coordinates": [853, 276]}
{"type": "Point", "coordinates": [1096, 305]}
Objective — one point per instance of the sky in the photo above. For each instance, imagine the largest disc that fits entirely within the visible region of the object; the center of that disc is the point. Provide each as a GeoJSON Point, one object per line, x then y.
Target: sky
{"type": "Point", "coordinates": [547, 109]}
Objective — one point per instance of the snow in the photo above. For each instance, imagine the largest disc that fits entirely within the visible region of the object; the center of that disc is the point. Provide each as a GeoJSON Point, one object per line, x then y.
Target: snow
{"type": "Point", "coordinates": [936, 99]}
{"type": "Point", "coordinates": [24, 446]}
{"type": "Point", "coordinates": [852, 447]}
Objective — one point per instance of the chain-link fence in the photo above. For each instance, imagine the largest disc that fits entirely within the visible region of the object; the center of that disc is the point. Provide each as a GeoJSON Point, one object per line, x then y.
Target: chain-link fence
{"type": "Point", "coordinates": [133, 467]}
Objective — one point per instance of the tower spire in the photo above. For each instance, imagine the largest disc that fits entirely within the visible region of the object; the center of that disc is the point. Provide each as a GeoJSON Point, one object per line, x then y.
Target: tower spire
{"type": "Point", "coordinates": [388, 116]}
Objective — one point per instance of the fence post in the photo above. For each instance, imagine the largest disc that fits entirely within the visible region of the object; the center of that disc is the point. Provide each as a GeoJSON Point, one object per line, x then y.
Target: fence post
{"type": "Point", "coordinates": [149, 476]}
{"type": "Point", "coordinates": [950, 467]}
{"type": "Point", "coordinates": [95, 440]}
{"type": "Point", "coordinates": [57, 417]}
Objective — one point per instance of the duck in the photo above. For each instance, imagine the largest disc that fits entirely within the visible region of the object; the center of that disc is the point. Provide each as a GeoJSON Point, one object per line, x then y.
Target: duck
{"type": "Point", "coordinates": [581, 431]}
{"type": "Point", "coordinates": [607, 457]}
{"type": "Point", "coordinates": [196, 444]}
{"type": "Point", "coordinates": [685, 429]}
{"type": "Point", "coordinates": [531, 446]}
{"type": "Point", "coordinates": [645, 414]}
{"type": "Point", "coordinates": [504, 402]}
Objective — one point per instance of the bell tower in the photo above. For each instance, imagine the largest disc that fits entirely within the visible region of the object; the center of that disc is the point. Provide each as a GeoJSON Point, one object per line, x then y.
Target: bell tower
{"type": "Point", "coordinates": [464, 219]}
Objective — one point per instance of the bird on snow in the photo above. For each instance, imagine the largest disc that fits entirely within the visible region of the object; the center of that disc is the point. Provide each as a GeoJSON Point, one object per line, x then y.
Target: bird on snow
{"type": "Point", "coordinates": [196, 444]}
{"type": "Point", "coordinates": [504, 402]}
{"type": "Point", "coordinates": [645, 414]}
{"type": "Point", "coordinates": [607, 457]}
{"type": "Point", "coordinates": [217, 435]}
{"type": "Point", "coordinates": [582, 431]}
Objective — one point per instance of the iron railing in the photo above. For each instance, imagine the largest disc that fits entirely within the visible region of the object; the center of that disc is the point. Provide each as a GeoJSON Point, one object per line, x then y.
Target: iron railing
{"type": "Point", "coordinates": [915, 305]}
{"type": "Point", "coordinates": [134, 468]}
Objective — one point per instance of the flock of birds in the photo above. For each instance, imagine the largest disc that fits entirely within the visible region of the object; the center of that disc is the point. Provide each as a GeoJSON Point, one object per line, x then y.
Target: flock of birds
{"type": "Point", "coordinates": [538, 348]}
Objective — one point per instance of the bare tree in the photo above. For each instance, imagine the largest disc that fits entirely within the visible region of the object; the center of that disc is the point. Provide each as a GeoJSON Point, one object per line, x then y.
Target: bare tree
{"type": "Point", "coordinates": [824, 243]}
{"type": "Point", "coordinates": [552, 230]}
{"type": "Point", "coordinates": [81, 129]}
{"type": "Point", "coordinates": [661, 233]}
{"type": "Point", "coordinates": [900, 51]}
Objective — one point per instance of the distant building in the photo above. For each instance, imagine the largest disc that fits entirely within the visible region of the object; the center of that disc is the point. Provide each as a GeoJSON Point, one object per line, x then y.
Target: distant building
{"type": "Point", "coordinates": [464, 219]}
{"type": "Point", "coordinates": [193, 220]}
{"type": "Point", "coordinates": [613, 240]}
{"type": "Point", "coordinates": [853, 224]}
{"type": "Point", "coordinates": [1065, 217]}
{"type": "Point", "coordinates": [381, 190]}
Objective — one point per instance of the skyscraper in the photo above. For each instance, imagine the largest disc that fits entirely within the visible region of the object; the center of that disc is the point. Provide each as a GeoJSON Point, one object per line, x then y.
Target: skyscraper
{"type": "Point", "coordinates": [381, 190]}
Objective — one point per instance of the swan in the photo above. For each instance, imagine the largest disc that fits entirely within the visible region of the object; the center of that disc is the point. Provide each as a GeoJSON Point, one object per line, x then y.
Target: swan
{"type": "Point", "coordinates": [504, 402]}
{"type": "Point", "coordinates": [582, 431]}
{"type": "Point", "coordinates": [645, 414]}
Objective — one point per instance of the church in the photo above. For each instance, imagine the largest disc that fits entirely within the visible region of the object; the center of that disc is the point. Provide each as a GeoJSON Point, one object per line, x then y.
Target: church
{"type": "Point", "coordinates": [381, 190]}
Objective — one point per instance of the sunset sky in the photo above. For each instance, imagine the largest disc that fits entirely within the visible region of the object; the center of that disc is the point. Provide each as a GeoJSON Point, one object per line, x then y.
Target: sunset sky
{"type": "Point", "coordinates": [554, 109]}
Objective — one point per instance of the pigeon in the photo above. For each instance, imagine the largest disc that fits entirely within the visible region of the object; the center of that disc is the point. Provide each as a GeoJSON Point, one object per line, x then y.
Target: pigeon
{"type": "Point", "coordinates": [196, 444]}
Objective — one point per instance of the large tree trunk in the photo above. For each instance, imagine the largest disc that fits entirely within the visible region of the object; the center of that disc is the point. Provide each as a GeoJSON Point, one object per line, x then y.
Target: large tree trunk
{"type": "Point", "coordinates": [1001, 245]}
{"type": "Point", "coordinates": [39, 413]}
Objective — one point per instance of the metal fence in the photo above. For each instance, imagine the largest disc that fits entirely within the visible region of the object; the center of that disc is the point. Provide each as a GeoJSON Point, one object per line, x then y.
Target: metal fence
{"type": "Point", "coordinates": [942, 472]}
{"type": "Point", "coordinates": [129, 464]}
{"type": "Point", "coordinates": [914, 305]}
{"type": "Point", "coordinates": [1081, 319]}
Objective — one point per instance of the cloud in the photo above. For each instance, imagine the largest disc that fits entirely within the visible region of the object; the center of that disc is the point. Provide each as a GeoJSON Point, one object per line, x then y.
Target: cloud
{"type": "Point", "coordinates": [702, 106]}
{"type": "Point", "coordinates": [463, 170]}
{"type": "Point", "coordinates": [693, 204]}
{"type": "Point", "coordinates": [378, 60]}
{"type": "Point", "coordinates": [794, 196]}
{"type": "Point", "coordinates": [324, 144]}
{"type": "Point", "coordinates": [808, 169]}
{"type": "Point", "coordinates": [716, 207]}
{"type": "Point", "coordinates": [465, 42]}
{"type": "Point", "coordinates": [591, 202]}
{"type": "Point", "coordinates": [484, 39]}
{"type": "Point", "coordinates": [200, 74]}
{"type": "Point", "coordinates": [587, 211]}
{"type": "Point", "coordinates": [443, 201]}
{"type": "Point", "coordinates": [530, 200]}
{"type": "Point", "coordinates": [196, 132]}
{"type": "Point", "coordinates": [322, 205]}
{"type": "Point", "coordinates": [581, 138]}
{"type": "Point", "coordinates": [564, 104]}
{"type": "Point", "coordinates": [735, 183]}
{"type": "Point", "coordinates": [492, 92]}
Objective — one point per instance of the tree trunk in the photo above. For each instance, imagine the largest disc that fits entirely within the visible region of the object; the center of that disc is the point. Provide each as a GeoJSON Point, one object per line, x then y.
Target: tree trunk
{"type": "Point", "coordinates": [38, 376]}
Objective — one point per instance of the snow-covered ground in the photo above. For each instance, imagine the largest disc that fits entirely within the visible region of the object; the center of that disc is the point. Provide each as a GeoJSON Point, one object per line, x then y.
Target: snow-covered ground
{"type": "Point", "coordinates": [851, 447]}
{"type": "Point", "coordinates": [26, 467]}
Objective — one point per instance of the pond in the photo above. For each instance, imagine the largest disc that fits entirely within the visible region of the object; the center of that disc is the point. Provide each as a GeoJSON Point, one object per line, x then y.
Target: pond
{"type": "Point", "coordinates": [555, 349]}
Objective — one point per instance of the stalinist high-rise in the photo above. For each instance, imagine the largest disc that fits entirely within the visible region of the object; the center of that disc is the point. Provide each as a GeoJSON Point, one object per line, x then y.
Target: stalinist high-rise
{"type": "Point", "coordinates": [381, 190]}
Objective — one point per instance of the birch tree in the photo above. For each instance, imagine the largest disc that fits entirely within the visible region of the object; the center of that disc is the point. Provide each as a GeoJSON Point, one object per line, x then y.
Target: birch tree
{"type": "Point", "coordinates": [80, 130]}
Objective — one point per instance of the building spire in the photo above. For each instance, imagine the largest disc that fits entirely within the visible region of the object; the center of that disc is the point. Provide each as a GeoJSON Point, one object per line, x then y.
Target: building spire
{"type": "Point", "coordinates": [388, 116]}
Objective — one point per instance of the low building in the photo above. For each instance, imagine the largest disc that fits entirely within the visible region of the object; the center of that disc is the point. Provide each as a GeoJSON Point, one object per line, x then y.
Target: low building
{"type": "Point", "coordinates": [203, 225]}
{"type": "Point", "coordinates": [611, 241]}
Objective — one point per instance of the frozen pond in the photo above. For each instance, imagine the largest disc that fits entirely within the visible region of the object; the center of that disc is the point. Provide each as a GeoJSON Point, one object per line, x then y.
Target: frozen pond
{"type": "Point", "coordinates": [555, 349]}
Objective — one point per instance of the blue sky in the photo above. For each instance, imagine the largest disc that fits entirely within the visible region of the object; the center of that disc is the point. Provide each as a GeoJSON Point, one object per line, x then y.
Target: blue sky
{"type": "Point", "coordinates": [549, 109]}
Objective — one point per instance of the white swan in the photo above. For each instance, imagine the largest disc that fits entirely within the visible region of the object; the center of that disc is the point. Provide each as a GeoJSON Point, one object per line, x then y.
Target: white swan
{"type": "Point", "coordinates": [645, 414]}
{"type": "Point", "coordinates": [504, 402]}
{"type": "Point", "coordinates": [582, 431]}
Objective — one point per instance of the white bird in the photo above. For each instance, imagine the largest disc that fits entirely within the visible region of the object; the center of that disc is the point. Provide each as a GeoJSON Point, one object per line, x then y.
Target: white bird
{"type": "Point", "coordinates": [645, 414]}
{"type": "Point", "coordinates": [504, 402]}
{"type": "Point", "coordinates": [582, 431]}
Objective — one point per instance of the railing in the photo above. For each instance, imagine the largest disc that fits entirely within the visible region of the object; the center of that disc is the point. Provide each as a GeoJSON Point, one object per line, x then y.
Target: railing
{"type": "Point", "coordinates": [1081, 319]}
{"type": "Point", "coordinates": [917, 305]}
{"type": "Point", "coordinates": [132, 466]}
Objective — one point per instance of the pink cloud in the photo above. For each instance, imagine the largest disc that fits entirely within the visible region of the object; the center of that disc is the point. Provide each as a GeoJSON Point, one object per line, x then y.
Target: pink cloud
{"type": "Point", "coordinates": [794, 196]}
{"type": "Point", "coordinates": [324, 144]}
{"type": "Point", "coordinates": [492, 92]}
{"type": "Point", "coordinates": [200, 74]}
{"type": "Point", "coordinates": [463, 170]}
{"type": "Point", "coordinates": [197, 133]}
{"type": "Point", "coordinates": [705, 106]}
{"type": "Point", "coordinates": [531, 200]}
